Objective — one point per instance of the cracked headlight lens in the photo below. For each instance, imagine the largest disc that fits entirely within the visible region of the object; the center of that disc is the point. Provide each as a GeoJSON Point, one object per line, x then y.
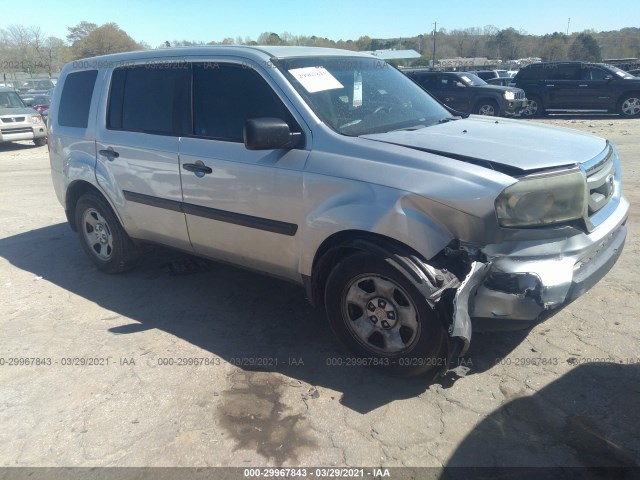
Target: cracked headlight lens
{"type": "Point", "coordinates": [542, 200]}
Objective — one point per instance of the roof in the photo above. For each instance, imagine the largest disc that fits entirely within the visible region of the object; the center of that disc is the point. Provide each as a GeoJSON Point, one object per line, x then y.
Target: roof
{"type": "Point", "coordinates": [261, 52]}
{"type": "Point", "coordinates": [395, 54]}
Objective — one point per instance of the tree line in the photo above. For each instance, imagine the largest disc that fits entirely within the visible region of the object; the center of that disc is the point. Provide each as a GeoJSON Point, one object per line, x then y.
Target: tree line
{"type": "Point", "coordinates": [29, 50]}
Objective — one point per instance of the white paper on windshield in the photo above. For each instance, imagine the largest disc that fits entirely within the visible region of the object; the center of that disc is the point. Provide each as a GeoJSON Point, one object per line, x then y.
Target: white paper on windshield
{"type": "Point", "coordinates": [357, 89]}
{"type": "Point", "coordinates": [315, 79]}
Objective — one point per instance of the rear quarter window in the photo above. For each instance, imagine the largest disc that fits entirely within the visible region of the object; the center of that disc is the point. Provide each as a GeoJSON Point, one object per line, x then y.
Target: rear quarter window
{"type": "Point", "coordinates": [531, 73]}
{"type": "Point", "coordinates": [75, 100]}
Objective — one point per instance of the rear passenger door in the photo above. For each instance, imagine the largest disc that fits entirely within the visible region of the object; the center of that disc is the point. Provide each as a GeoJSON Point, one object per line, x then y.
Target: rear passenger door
{"type": "Point", "coordinates": [243, 206]}
{"type": "Point", "coordinates": [561, 85]}
{"type": "Point", "coordinates": [137, 148]}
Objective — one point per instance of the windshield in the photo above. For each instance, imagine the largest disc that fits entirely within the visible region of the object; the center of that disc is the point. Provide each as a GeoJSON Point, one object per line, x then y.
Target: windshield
{"type": "Point", "coordinates": [620, 73]}
{"type": "Point", "coordinates": [11, 100]}
{"type": "Point", "coordinates": [358, 96]}
{"type": "Point", "coordinates": [471, 80]}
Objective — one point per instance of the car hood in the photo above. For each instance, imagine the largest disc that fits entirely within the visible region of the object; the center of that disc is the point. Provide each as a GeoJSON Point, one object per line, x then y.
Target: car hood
{"type": "Point", "coordinates": [5, 111]}
{"type": "Point", "coordinates": [521, 146]}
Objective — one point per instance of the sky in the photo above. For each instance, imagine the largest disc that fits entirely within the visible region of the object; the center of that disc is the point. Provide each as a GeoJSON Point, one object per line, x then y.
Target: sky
{"type": "Point", "coordinates": [154, 21]}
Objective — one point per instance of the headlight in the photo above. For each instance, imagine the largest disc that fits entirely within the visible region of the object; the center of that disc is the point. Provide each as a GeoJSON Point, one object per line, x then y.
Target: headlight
{"type": "Point", "coordinates": [543, 200]}
{"type": "Point", "coordinates": [36, 119]}
{"type": "Point", "coordinates": [509, 95]}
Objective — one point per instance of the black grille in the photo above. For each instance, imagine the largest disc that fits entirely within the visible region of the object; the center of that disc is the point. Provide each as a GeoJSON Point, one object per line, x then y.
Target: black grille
{"type": "Point", "coordinates": [13, 119]}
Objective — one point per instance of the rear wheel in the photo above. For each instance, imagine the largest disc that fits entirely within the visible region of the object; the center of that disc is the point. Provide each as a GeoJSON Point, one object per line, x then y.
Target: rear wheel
{"type": "Point", "coordinates": [380, 314]}
{"type": "Point", "coordinates": [630, 106]}
{"type": "Point", "coordinates": [487, 107]}
{"type": "Point", "coordinates": [101, 235]}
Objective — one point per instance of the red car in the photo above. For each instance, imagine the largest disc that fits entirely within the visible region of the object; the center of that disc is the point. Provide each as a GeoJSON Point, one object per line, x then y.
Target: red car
{"type": "Point", "coordinates": [38, 102]}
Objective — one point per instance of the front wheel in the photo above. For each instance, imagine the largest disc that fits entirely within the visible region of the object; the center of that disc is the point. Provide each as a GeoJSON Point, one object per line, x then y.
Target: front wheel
{"type": "Point", "coordinates": [101, 235]}
{"type": "Point", "coordinates": [630, 106]}
{"type": "Point", "coordinates": [379, 313]}
{"type": "Point", "coordinates": [40, 142]}
{"type": "Point", "coordinates": [534, 107]}
{"type": "Point", "coordinates": [488, 107]}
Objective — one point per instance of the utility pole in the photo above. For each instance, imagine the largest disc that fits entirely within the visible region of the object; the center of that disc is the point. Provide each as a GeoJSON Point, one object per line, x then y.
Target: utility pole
{"type": "Point", "coordinates": [568, 23]}
{"type": "Point", "coordinates": [433, 57]}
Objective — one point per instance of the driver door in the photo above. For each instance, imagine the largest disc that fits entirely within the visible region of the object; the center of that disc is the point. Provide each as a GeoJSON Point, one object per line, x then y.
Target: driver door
{"type": "Point", "coordinates": [453, 93]}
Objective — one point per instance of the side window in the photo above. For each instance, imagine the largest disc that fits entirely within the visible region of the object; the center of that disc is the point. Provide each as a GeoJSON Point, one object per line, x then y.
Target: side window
{"type": "Point", "coordinates": [76, 99]}
{"type": "Point", "coordinates": [449, 81]}
{"type": "Point", "coordinates": [149, 99]}
{"type": "Point", "coordinates": [591, 73]}
{"type": "Point", "coordinates": [429, 82]}
{"type": "Point", "coordinates": [225, 96]}
{"type": "Point", "coordinates": [563, 72]}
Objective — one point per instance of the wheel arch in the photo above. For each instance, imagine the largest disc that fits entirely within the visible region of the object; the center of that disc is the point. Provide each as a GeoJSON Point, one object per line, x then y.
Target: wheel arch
{"type": "Point", "coordinates": [346, 242]}
{"type": "Point", "coordinates": [485, 99]}
{"type": "Point", "coordinates": [74, 191]}
{"type": "Point", "coordinates": [623, 96]}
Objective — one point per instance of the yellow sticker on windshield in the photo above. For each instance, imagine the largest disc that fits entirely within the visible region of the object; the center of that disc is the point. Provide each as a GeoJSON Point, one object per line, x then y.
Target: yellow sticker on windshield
{"type": "Point", "coordinates": [315, 79]}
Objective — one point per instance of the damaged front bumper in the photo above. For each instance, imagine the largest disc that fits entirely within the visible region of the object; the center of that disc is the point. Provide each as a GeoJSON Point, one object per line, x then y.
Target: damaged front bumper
{"type": "Point", "coordinates": [523, 282]}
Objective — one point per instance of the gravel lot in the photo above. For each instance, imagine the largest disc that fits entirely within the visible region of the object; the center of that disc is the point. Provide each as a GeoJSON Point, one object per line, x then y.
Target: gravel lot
{"type": "Point", "coordinates": [564, 393]}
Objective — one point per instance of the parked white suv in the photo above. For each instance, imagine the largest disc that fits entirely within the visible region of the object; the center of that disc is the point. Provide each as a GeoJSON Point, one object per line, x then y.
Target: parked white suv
{"type": "Point", "coordinates": [333, 170]}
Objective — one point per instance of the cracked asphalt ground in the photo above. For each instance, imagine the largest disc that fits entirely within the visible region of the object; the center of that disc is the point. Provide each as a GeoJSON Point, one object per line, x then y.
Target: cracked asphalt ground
{"type": "Point", "coordinates": [271, 391]}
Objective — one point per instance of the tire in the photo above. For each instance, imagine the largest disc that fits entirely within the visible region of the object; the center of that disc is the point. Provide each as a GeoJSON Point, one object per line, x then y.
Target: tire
{"type": "Point", "coordinates": [102, 237]}
{"type": "Point", "coordinates": [487, 107]}
{"type": "Point", "coordinates": [378, 312]}
{"type": "Point", "coordinates": [534, 107]}
{"type": "Point", "coordinates": [40, 142]}
{"type": "Point", "coordinates": [629, 106]}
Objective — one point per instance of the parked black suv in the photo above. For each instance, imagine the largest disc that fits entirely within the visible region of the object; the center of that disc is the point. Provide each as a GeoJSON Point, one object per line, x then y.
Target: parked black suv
{"type": "Point", "coordinates": [467, 93]}
{"type": "Point", "coordinates": [579, 86]}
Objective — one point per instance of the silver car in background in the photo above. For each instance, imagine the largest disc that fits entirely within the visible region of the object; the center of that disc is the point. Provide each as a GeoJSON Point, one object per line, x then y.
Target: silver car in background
{"type": "Point", "coordinates": [19, 122]}
{"type": "Point", "coordinates": [333, 170]}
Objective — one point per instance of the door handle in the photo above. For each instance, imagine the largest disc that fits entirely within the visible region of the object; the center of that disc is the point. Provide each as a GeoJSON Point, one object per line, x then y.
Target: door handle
{"type": "Point", "coordinates": [583, 85]}
{"type": "Point", "coordinates": [552, 85]}
{"type": "Point", "coordinates": [110, 153]}
{"type": "Point", "coordinates": [197, 168]}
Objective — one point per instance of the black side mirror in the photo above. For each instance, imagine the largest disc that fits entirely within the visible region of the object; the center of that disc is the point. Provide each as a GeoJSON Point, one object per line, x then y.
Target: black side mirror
{"type": "Point", "coordinates": [608, 78]}
{"type": "Point", "coordinates": [267, 134]}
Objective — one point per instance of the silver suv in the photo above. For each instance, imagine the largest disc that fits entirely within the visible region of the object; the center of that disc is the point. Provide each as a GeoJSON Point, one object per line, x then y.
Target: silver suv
{"type": "Point", "coordinates": [19, 122]}
{"type": "Point", "coordinates": [333, 170]}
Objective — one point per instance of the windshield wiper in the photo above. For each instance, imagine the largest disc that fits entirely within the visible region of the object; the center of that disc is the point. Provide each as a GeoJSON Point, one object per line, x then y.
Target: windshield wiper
{"type": "Point", "coordinates": [447, 119]}
{"type": "Point", "coordinates": [408, 129]}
